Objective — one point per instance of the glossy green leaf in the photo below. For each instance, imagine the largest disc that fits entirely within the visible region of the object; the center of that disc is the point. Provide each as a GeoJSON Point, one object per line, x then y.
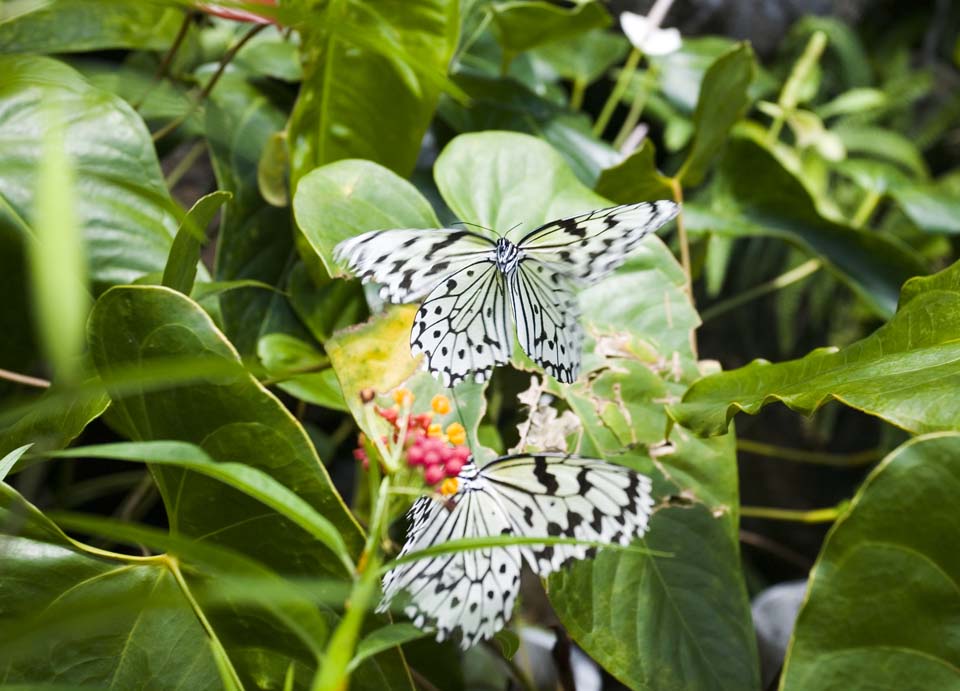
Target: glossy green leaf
{"type": "Point", "coordinates": [243, 477]}
{"type": "Point", "coordinates": [762, 196]}
{"type": "Point", "coordinates": [723, 101]}
{"type": "Point", "coordinates": [884, 144]}
{"type": "Point", "coordinates": [124, 210]}
{"type": "Point", "coordinates": [300, 370]}
{"type": "Point", "coordinates": [64, 26]}
{"type": "Point", "coordinates": [880, 610]}
{"type": "Point", "coordinates": [682, 72]}
{"type": "Point", "coordinates": [346, 198]}
{"type": "Point", "coordinates": [524, 24]}
{"type": "Point", "coordinates": [255, 240]}
{"type": "Point", "coordinates": [372, 76]}
{"type": "Point", "coordinates": [181, 269]}
{"type": "Point", "coordinates": [635, 178]}
{"type": "Point", "coordinates": [106, 622]}
{"type": "Point", "coordinates": [55, 418]}
{"type": "Point", "coordinates": [948, 279]}
{"type": "Point", "coordinates": [327, 306]}
{"type": "Point", "coordinates": [231, 418]}
{"type": "Point", "coordinates": [904, 373]}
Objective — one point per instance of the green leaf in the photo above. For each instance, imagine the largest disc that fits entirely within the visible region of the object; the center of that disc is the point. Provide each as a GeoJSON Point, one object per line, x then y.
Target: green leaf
{"type": "Point", "coordinates": [852, 102]}
{"type": "Point", "coordinates": [524, 24]}
{"type": "Point", "coordinates": [255, 240]}
{"type": "Point", "coordinates": [54, 419]}
{"type": "Point", "coordinates": [245, 478]}
{"type": "Point", "coordinates": [301, 370]}
{"type": "Point", "coordinates": [383, 639]}
{"type": "Point", "coordinates": [761, 195]}
{"type": "Point", "coordinates": [883, 144]}
{"type": "Point", "coordinates": [10, 460]}
{"type": "Point", "coordinates": [901, 373]}
{"type": "Point", "coordinates": [880, 610]}
{"type": "Point", "coordinates": [125, 211]}
{"type": "Point", "coordinates": [636, 178]}
{"type": "Point", "coordinates": [343, 199]}
{"type": "Point", "coordinates": [723, 101]}
{"type": "Point", "coordinates": [116, 623]}
{"type": "Point", "coordinates": [948, 279]}
{"type": "Point", "coordinates": [373, 99]}
{"type": "Point", "coordinates": [682, 72]}
{"type": "Point", "coordinates": [585, 57]}
{"type": "Point", "coordinates": [232, 418]}
{"type": "Point", "coordinates": [930, 207]}
{"type": "Point", "coordinates": [181, 269]}
{"type": "Point", "coordinates": [57, 266]}
{"type": "Point", "coordinates": [65, 26]}
{"type": "Point", "coordinates": [327, 306]}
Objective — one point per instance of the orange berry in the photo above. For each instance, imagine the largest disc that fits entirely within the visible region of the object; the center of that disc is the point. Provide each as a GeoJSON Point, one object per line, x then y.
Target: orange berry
{"type": "Point", "coordinates": [403, 397]}
{"type": "Point", "coordinates": [440, 404]}
{"type": "Point", "coordinates": [456, 433]}
{"type": "Point", "coordinates": [434, 430]}
{"type": "Point", "coordinates": [449, 486]}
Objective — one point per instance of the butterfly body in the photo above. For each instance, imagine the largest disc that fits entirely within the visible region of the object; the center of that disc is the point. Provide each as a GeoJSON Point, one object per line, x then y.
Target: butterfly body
{"type": "Point", "coordinates": [473, 288]}
{"type": "Point", "coordinates": [472, 593]}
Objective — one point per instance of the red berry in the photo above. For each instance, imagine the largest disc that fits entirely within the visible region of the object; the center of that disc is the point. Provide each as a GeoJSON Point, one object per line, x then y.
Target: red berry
{"type": "Point", "coordinates": [433, 474]}
{"type": "Point", "coordinates": [431, 458]}
{"type": "Point", "coordinates": [415, 456]}
{"type": "Point", "coordinates": [359, 454]}
{"type": "Point", "coordinates": [462, 452]}
{"type": "Point", "coordinates": [453, 467]}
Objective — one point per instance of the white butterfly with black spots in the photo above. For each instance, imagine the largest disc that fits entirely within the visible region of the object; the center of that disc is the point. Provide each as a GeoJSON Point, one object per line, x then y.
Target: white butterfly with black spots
{"type": "Point", "coordinates": [471, 594]}
{"type": "Point", "coordinates": [466, 281]}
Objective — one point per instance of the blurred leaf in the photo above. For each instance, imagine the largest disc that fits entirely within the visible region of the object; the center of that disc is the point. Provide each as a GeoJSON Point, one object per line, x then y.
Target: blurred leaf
{"type": "Point", "coordinates": [931, 208]}
{"type": "Point", "coordinates": [124, 210]}
{"type": "Point", "coordinates": [303, 372]}
{"type": "Point", "coordinates": [273, 53]}
{"type": "Point", "coordinates": [524, 24]}
{"type": "Point", "coordinates": [884, 144]}
{"type": "Point", "coordinates": [181, 269]}
{"type": "Point", "coordinates": [723, 101]}
{"type": "Point", "coordinates": [585, 57]}
{"type": "Point", "coordinates": [273, 170]}
{"type": "Point", "coordinates": [231, 418]}
{"type": "Point", "coordinates": [10, 460]}
{"type": "Point", "coordinates": [682, 72]}
{"type": "Point", "coordinates": [343, 199]}
{"type": "Point", "coordinates": [842, 41]}
{"type": "Point", "coordinates": [508, 642]}
{"type": "Point", "coordinates": [252, 482]}
{"type": "Point", "coordinates": [760, 195]}
{"type": "Point", "coordinates": [255, 240]}
{"type": "Point", "coordinates": [65, 26]}
{"type": "Point", "coordinates": [57, 267]}
{"type": "Point", "coordinates": [636, 178]}
{"type": "Point", "coordinates": [372, 101]}
{"type": "Point", "coordinates": [898, 539]}
{"type": "Point", "coordinates": [901, 373]}
{"type": "Point", "coordinates": [852, 102]}
{"type": "Point", "coordinates": [114, 622]}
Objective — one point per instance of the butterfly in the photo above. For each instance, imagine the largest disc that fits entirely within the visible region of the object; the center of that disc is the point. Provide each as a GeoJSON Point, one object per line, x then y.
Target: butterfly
{"type": "Point", "coordinates": [471, 594]}
{"type": "Point", "coordinates": [473, 287]}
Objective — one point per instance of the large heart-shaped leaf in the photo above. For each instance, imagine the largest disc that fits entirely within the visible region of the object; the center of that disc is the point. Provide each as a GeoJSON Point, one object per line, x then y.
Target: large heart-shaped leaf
{"type": "Point", "coordinates": [882, 604]}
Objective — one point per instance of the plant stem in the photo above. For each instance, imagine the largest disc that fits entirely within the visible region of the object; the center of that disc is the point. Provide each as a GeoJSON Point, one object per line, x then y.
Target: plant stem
{"type": "Point", "coordinates": [839, 460]}
{"type": "Point", "coordinates": [186, 163]}
{"type": "Point", "coordinates": [24, 379]}
{"type": "Point", "coordinates": [866, 208]}
{"type": "Point", "coordinates": [812, 516]}
{"type": "Point", "coordinates": [577, 91]}
{"type": "Point", "coordinates": [167, 58]}
{"type": "Point", "coordinates": [790, 94]}
{"type": "Point", "coordinates": [201, 97]}
{"type": "Point", "coordinates": [782, 281]}
{"type": "Point", "coordinates": [626, 74]}
{"type": "Point", "coordinates": [633, 117]}
{"type": "Point", "coordinates": [775, 548]}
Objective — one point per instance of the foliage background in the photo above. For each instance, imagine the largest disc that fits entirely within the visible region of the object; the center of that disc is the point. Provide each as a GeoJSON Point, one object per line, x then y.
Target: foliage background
{"type": "Point", "coordinates": [182, 358]}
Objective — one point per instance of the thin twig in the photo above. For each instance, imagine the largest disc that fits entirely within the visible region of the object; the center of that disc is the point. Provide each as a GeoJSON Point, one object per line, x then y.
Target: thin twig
{"type": "Point", "coordinates": [828, 515]}
{"type": "Point", "coordinates": [840, 460]}
{"type": "Point", "coordinates": [782, 281]}
{"type": "Point", "coordinates": [201, 97]}
{"type": "Point", "coordinates": [186, 163]}
{"type": "Point", "coordinates": [775, 548]}
{"type": "Point", "coordinates": [24, 379]}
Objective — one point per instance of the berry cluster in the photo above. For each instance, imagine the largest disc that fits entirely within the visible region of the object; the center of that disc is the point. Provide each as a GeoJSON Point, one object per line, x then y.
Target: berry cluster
{"type": "Point", "coordinates": [441, 453]}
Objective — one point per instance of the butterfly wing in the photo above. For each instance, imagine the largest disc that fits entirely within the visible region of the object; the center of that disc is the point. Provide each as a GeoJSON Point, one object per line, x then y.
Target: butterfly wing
{"type": "Point", "coordinates": [590, 246]}
{"type": "Point", "coordinates": [547, 316]}
{"type": "Point", "coordinates": [470, 592]}
{"type": "Point", "coordinates": [409, 263]}
{"type": "Point", "coordinates": [551, 494]}
{"type": "Point", "coordinates": [463, 325]}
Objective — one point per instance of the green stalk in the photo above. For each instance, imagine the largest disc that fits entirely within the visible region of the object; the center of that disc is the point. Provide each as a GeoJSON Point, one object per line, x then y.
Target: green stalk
{"type": "Point", "coordinates": [840, 460]}
{"type": "Point", "coordinates": [626, 74]}
{"type": "Point", "coordinates": [812, 516]}
{"type": "Point", "coordinates": [790, 94]}
{"type": "Point", "coordinates": [782, 281]}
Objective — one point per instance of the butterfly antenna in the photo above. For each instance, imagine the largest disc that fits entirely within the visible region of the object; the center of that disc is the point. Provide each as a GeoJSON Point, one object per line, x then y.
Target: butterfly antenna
{"type": "Point", "coordinates": [476, 225]}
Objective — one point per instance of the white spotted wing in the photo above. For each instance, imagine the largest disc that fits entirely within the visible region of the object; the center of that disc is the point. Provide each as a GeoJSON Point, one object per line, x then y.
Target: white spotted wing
{"type": "Point", "coordinates": [468, 280]}
{"type": "Point", "coordinates": [471, 594]}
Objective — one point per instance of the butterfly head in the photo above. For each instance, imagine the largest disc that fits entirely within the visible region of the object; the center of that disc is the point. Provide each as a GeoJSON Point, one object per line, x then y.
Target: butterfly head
{"type": "Point", "coordinates": [508, 255]}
